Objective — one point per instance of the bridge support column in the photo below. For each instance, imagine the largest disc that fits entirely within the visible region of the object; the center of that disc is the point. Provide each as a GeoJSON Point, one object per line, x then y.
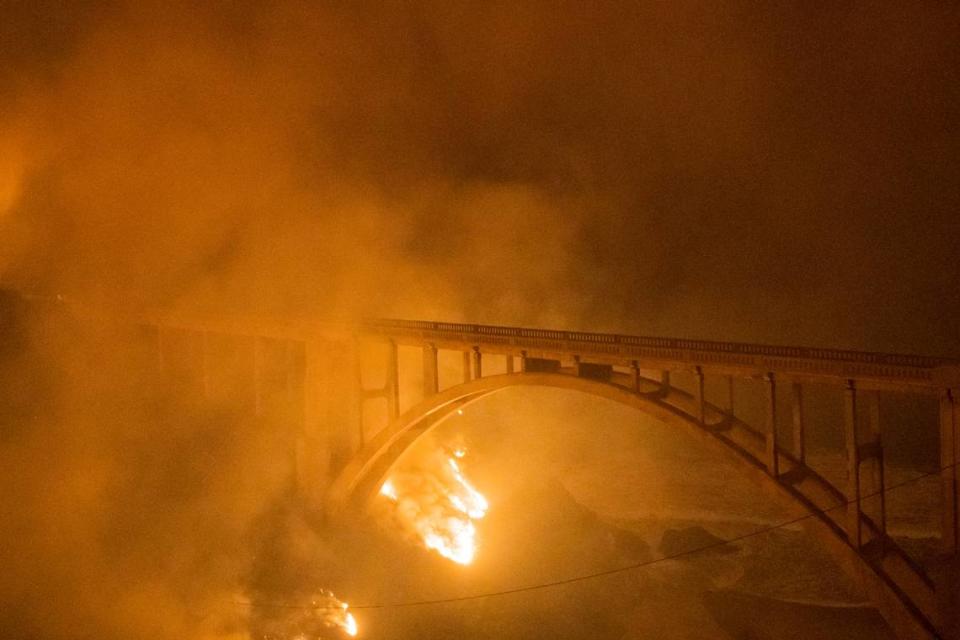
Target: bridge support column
{"type": "Point", "coordinates": [635, 372]}
{"type": "Point", "coordinates": [523, 361]}
{"type": "Point", "coordinates": [853, 464]}
{"type": "Point", "coordinates": [665, 382]}
{"type": "Point", "coordinates": [949, 457]}
{"type": "Point", "coordinates": [947, 578]}
{"type": "Point", "coordinates": [698, 396]}
{"type": "Point", "coordinates": [313, 451]}
{"type": "Point", "coordinates": [730, 396]}
{"type": "Point", "coordinates": [431, 374]}
{"type": "Point", "coordinates": [477, 363]}
{"type": "Point", "coordinates": [466, 367]}
{"type": "Point", "coordinates": [393, 381]}
{"type": "Point", "coordinates": [796, 405]}
{"type": "Point", "coordinates": [871, 456]}
{"type": "Point", "coordinates": [509, 368]}
{"type": "Point", "coordinates": [770, 454]}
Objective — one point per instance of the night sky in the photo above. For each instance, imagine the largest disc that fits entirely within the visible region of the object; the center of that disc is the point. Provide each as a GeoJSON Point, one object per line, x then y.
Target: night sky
{"type": "Point", "coordinates": [754, 172]}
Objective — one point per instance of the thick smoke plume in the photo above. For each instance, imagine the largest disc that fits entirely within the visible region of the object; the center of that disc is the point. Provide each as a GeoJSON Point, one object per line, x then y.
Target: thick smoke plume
{"type": "Point", "coordinates": [662, 168]}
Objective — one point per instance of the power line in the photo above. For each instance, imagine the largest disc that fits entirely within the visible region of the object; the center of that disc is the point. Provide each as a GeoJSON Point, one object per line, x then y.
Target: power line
{"type": "Point", "coordinates": [608, 572]}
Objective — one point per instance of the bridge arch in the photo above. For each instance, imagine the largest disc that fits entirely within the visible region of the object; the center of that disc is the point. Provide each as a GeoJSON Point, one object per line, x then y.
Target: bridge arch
{"type": "Point", "coordinates": [360, 479]}
{"type": "Point", "coordinates": [739, 443]}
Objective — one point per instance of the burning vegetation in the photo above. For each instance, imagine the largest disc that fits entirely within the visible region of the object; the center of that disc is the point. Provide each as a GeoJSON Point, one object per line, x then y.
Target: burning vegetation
{"type": "Point", "coordinates": [435, 503]}
{"type": "Point", "coordinates": [325, 617]}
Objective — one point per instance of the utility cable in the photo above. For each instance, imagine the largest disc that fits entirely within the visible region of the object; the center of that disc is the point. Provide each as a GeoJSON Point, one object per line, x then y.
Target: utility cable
{"type": "Point", "coordinates": [608, 572]}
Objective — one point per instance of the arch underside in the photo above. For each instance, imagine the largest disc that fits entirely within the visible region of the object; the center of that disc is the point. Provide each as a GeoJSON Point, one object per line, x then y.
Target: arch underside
{"type": "Point", "coordinates": [900, 589]}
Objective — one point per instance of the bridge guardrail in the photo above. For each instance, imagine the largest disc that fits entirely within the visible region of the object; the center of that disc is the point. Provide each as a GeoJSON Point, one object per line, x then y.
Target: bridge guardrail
{"type": "Point", "coordinates": [849, 361]}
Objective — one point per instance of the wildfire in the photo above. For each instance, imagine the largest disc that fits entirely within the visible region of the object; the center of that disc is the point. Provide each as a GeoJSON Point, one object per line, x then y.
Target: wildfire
{"type": "Point", "coordinates": [315, 621]}
{"type": "Point", "coordinates": [335, 614]}
{"type": "Point", "coordinates": [438, 505]}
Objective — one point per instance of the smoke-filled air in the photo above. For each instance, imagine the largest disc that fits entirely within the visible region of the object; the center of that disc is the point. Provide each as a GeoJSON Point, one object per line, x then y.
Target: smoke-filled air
{"type": "Point", "coordinates": [205, 207]}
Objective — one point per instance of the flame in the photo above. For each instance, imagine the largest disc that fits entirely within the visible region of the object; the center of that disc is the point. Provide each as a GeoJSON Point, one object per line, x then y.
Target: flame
{"type": "Point", "coordinates": [325, 612]}
{"type": "Point", "coordinates": [335, 614]}
{"type": "Point", "coordinates": [439, 506]}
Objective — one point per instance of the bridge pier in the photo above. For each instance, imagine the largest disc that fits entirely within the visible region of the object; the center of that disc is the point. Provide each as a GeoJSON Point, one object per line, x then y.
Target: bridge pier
{"type": "Point", "coordinates": [477, 363]}
{"type": "Point", "coordinates": [852, 493]}
{"type": "Point", "coordinates": [431, 371]}
{"type": "Point", "coordinates": [466, 367]}
{"type": "Point", "coordinates": [664, 383]}
{"type": "Point", "coordinates": [947, 575]}
{"type": "Point", "coordinates": [870, 454]}
{"type": "Point", "coordinates": [799, 437]}
{"type": "Point", "coordinates": [730, 397]}
{"type": "Point", "coordinates": [771, 456]}
{"type": "Point", "coordinates": [331, 408]}
{"type": "Point", "coordinates": [698, 397]}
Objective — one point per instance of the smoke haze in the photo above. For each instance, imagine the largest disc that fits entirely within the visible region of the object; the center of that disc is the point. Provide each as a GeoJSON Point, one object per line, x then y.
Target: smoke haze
{"type": "Point", "coordinates": [782, 174]}
{"type": "Point", "coordinates": [664, 168]}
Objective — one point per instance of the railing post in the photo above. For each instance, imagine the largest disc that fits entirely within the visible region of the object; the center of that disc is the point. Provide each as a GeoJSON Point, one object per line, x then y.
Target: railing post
{"type": "Point", "coordinates": [853, 464]}
{"type": "Point", "coordinates": [770, 454]}
{"type": "Point", "coordinates": [431, 376]}
{"type": "Point", "coordinates": [799, 438]}
{"type": "Point", "coordinates": [477, 363]}
{"type": "Point", "coordinates": [698, 396]}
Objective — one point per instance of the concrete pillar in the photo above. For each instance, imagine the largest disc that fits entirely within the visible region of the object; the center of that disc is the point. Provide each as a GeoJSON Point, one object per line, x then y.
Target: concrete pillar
{"type": "Point", "coordinates": [477, 363]}
{"type": "Point", "coordinates": [698, 396]}
{"type": "Point", "coordinates": [853, 464]}
{"type": "Point", "coordinates": [771, 459]}
{"type": "Point", "coordinates": [949, 457]}
{"type": "Point", "coordinates": [312, 458]}
{"type": "Point", "coordinates": [358, 379]}
{"type": "Point", "coordinates": [730, 396]}
{"type": "Point", "coordinates": [635, 372]}
{"type": "Point", "coordinates": [523, 362]}
{"type": "Point", "coordinates": [431, 373]}
{"type": "Point", "coordinates": [393, 381]}
{"type": "Point", "coordinates": [466, 367]}
{"type": "Point", "coordinates": [871, 460]}
{"type": "Point", "coordinates": [947, 572]}
{"type": "Point", "coordinates": [665, 382]}
{"type": "Point", "coordinates": [799, 438]}
{"type": "Point", "coordinates": [509, 368]}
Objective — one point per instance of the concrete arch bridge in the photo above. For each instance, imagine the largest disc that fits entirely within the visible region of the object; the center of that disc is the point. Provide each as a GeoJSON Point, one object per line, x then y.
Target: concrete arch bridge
{"type": "Point", "coordinates": [368, 391]}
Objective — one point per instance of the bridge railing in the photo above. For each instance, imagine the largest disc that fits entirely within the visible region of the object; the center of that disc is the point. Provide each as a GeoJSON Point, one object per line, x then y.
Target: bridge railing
{"type": "Point", "coordinates": [840, 362]}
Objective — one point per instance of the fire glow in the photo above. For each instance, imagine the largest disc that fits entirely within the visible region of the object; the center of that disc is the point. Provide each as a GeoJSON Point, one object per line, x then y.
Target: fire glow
{"type": "Point", "coordinates": [336, 614]}
{"type": "Point", "coordinates": [437, 504]}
